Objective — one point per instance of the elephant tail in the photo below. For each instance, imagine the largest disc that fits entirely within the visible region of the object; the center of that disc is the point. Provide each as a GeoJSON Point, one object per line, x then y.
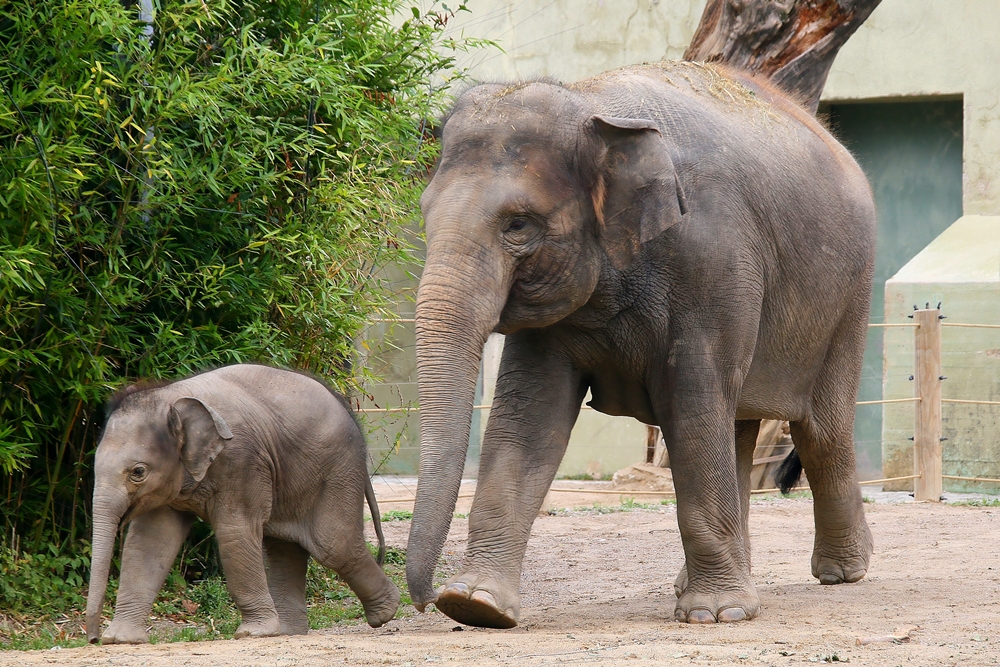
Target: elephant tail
{"type": "Point", "coordinates": [788, 473]}
{"type": "Point", "coordinates": [376, 519]}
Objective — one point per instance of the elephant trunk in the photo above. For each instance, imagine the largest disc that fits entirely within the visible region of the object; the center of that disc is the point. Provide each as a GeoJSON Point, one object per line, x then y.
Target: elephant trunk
{"type": "Point", "coordinates": [109, 507]}
{"type": "Point", "coordinates": [458, 305]}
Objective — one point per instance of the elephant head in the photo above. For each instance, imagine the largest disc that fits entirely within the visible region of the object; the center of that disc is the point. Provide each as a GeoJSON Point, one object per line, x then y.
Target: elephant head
{"type": "Point", "coordinates": [536, 198]}
{"type": "Point", "coordinates": [152, 451]}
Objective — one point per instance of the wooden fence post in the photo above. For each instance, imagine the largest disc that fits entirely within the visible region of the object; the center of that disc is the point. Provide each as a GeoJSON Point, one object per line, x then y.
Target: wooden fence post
{"type": "Point", "coordinates": [927, 428]}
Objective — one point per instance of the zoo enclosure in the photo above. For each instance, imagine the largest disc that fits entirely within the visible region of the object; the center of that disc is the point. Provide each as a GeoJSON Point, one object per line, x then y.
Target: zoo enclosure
{"type": "Point", "coordinates": [928, 477]}
{"type": "Point", "coordinates": [928, 377]}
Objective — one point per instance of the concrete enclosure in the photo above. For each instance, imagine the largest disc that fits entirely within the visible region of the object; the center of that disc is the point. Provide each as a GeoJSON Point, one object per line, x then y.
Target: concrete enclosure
{"type": "Point", "coordinates": [922, 71]}
{"type": "Point", "coordinates": [961, 270]}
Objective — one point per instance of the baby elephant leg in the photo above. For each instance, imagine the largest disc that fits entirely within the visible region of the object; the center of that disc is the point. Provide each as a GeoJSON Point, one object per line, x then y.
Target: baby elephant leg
{"type": "Point", "coordinates": [286, 580]}
{"type": "Point", "coordinates": [378, 595]}
{"type": "Point", "coordinates": [338, 542]}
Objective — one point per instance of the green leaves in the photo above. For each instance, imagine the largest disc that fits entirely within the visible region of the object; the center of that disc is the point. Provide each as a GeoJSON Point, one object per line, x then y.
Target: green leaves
{"type": "Point", "coordinates": [224, 191]}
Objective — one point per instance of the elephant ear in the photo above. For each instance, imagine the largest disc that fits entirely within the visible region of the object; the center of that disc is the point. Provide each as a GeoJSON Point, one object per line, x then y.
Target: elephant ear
{"type": "Point", "coordinates": [201, 434]}
{"type": "Point", "coordinates": [637, 195]}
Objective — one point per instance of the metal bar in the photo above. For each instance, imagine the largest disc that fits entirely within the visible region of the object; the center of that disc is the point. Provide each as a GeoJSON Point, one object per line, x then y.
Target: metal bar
{"type": "Point", "coordinates": [971, 326]}
{"type": "Point", "coordinates": [887, 479]}
{"type": "Point", "coordinates": [605, 492]}
{"type": "Point", "coordinates": [989, 480]}
{"type": "Point", "coordinates": [956, 400]}
{"type": "Point", "coordinates": [416, 409]}
{"type": "Point", "coordinates": [410, 500]}
{"type": "Point", "coordinates": [915, 399]}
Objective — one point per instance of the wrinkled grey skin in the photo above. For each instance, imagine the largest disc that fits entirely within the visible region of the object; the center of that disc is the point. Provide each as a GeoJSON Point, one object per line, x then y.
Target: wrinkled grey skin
{"type": "Point", "coordinates": [691, 247]}
{"type": "Point", "coordinates": [272, 459]}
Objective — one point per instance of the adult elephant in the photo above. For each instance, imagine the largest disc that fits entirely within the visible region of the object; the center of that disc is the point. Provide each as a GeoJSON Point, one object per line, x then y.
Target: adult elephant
{"type": "Point", "coordinates": [692, 247]}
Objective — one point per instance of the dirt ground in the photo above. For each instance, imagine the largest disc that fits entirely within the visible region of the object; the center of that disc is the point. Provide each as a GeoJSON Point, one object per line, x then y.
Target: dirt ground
{"type": "Point", "coordinates": [598, 589]}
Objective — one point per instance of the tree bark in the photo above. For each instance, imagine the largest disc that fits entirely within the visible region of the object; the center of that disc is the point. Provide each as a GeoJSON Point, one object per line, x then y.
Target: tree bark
{"type": "Point", "coordinates": [793, 42]}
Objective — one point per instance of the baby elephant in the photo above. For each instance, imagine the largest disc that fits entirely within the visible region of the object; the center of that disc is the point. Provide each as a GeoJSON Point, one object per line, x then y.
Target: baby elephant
{"type": "Point", "coordinates": [272, 459]}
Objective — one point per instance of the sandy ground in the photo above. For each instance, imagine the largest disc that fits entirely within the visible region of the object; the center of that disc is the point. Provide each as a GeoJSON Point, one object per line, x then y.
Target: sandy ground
{"type": "Point", "coordinates": [598, 589]}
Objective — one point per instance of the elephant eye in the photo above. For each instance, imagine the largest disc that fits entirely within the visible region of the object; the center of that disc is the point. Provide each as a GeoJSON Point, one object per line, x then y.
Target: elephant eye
{"type": "Point", "coordinates": [517, 224]}
{"type": "Point", "coordinates": [138, 473]}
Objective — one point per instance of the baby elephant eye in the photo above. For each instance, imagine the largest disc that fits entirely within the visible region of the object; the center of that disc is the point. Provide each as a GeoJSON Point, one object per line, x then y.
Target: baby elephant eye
{"type": "Point", "coordinates": [138, 473]}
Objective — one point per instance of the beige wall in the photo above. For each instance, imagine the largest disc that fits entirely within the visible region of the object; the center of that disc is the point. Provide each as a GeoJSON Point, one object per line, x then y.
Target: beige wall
{"type": "Point", "coordinates": [906, 48]}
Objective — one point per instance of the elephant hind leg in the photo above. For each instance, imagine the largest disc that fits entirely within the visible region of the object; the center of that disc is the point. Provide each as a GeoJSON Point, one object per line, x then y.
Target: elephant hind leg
{"type": "Point", "coordinates": [824, 441]}
{"type": "Point", "coordinates": [287, 563]}
{"type": "Point", "coordinates": [337, 541]}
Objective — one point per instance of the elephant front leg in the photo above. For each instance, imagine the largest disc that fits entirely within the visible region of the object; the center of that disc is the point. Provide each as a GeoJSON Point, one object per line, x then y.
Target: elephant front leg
{"type": "Point", "coordinates": [711, 477]}
{"type": "Point", "coordinates": [537, 401]}
{"type": "Point", "coordinates": [152, 543]}
{"type": "Point", "coordinates": [241, 550]}
{"type": "Point", "coordinates": [746, 443]}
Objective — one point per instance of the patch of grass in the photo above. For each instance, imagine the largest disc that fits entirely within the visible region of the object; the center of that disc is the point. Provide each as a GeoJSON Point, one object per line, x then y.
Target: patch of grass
{"type": "Point", "coordinates": [867, 499]}
{"type": "Point", "coordinates": [626, 504]}
{"type": "Point", "coordinates": [794, 495]}
{"type": "Point", "coordinates": [585, 477]}
{"type": "Point", "coordinates": [40, 597]}
{"type": "Point", "coordinates": [34, 634]}
{"type": "Point", "coordinates": [396, 515]}
{"type": "Point", "coordinates": [978, 502]}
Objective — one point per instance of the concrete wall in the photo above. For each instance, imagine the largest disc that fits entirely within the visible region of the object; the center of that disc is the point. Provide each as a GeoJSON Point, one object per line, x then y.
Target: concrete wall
{"type": "Point", "coordinates": [906, 49]}
{"type": "Point", "coordinates": [961, 270]}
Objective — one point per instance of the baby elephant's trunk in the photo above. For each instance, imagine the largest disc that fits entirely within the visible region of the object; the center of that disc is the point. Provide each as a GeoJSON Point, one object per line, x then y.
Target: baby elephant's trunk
{"type": "Point", "coordinates": [109, 507]}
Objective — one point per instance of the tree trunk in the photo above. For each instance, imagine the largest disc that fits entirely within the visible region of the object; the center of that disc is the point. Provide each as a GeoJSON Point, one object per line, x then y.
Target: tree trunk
{"type": "Point", "coordinates": [794, 42]}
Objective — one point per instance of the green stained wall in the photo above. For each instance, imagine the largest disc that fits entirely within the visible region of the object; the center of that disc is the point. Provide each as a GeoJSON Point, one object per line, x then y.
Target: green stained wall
{"type": "Point", "coordinates": [912, 155]}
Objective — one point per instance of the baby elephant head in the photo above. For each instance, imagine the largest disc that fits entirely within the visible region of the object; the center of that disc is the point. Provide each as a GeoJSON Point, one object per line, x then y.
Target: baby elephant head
{"type": "Point", "coordinates": [152, 451]}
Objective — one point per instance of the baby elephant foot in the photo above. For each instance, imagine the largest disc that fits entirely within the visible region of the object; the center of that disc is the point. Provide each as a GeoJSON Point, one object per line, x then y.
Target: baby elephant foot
{"type": "Point", "coordinates": [124, 632]}
{"type": "Point", "coordinates": [721, 607]}
{"type": "Point", "coordinates": [843, 560]}
{"type": "Point", "coordinates": [381, 610]}
{"type": "Point", "coordinates": [472, 601]}
{"type": "Point", "coordinates": [268, 628]}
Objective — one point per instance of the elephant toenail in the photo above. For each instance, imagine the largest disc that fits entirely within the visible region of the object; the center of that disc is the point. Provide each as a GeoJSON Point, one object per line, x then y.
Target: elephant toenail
{"type": "Point", "coordinates": [457, 588]}
{"type": "Point", "coordinates": [680, 616]}
{"type": "Point", "coordinates": [830, 579]}
{"type": "Point", "coordinates": [732, 615]}
{"type": "Point", "coordinates": [483, 597]}
{"type": "Point", "coordinates": [700, 616]}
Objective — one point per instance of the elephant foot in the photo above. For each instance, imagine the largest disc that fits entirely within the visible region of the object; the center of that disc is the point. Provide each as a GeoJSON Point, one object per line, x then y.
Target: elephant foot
{"type": "Point", "coordinates": [123, 632]}
{"type": "Point", "coordinates": [844, 560]}
{"type": "Point", "coordinates": [474, 605]}
{"type": "Point", "coordinates": [269, 628]}
{"type": "Point", "coordinates": [681, 582]}
{"type": "Point", "coordinates": [381, 610]}
{"type": "Point", "coordinates": [719, 607]}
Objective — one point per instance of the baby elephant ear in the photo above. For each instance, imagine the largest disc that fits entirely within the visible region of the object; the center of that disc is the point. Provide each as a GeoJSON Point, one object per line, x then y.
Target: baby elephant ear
{"type": "Point", "coordinates": [201, 434]}
{"type": "Point", "coordinates": [637, 195]}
